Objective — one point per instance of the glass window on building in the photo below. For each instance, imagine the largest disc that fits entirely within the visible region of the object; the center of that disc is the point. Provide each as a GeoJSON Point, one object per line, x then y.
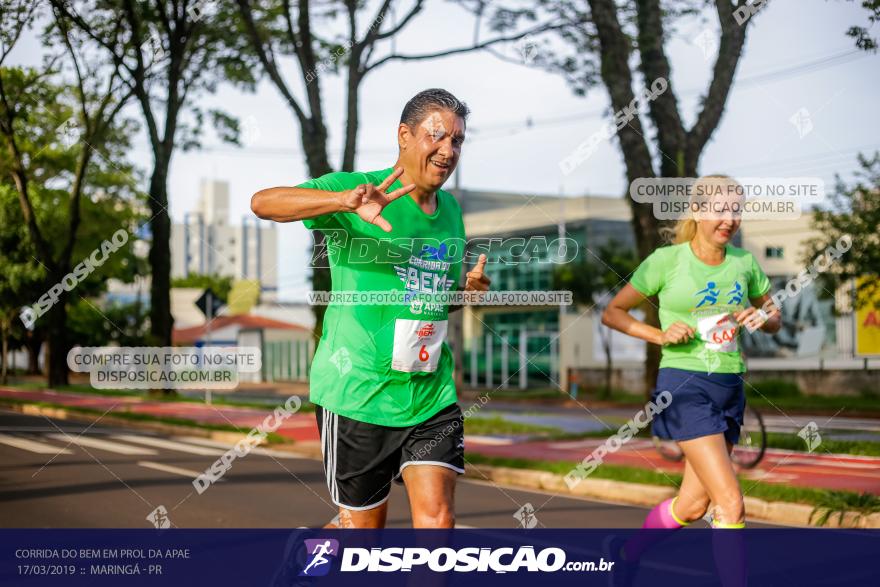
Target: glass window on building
{"type": "Point", "coordinates": [773, 252]}
{"type": "Point", "coordinates": [540, 325]}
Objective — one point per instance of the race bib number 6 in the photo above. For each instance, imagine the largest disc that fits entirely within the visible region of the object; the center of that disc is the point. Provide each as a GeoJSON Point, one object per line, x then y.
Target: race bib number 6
{"type": "Point", "coordinates": [417, 345]}
{"type": "Point", "coordinates": [718, 332]}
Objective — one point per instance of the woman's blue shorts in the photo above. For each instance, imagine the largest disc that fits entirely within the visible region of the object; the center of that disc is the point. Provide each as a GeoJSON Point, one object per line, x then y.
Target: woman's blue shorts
{"type": "Point", "coordinates": [702, 404]}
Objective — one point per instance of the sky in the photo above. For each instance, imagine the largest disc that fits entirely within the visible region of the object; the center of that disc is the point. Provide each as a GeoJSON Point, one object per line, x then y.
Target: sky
{"type": "Point", "coordinates": [796, 59]}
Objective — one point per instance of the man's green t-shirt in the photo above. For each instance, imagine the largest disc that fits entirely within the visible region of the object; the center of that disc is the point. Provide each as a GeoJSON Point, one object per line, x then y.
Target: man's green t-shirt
{"type": "Point", "coordinates": [387, 364]}
{"type": "Point", "coordinates": [704, 297]}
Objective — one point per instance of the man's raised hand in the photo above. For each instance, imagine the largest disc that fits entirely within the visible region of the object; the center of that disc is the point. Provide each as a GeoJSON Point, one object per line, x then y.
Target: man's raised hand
{"type": "Point", "coordinates": [368, 200]}
{"type": "Point", "coordinates": [477, 280]}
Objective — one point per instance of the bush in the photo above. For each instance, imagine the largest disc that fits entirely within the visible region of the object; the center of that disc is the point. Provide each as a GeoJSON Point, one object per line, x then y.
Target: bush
{"type": "Point", "coordinates": [773, 388]}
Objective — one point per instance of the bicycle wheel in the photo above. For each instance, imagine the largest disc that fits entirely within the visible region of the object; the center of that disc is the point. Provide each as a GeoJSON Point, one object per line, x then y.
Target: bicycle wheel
{"type": "Point", "coordinates": [749, 451]}
{"type": "Point", "coordinates": [668, 449]}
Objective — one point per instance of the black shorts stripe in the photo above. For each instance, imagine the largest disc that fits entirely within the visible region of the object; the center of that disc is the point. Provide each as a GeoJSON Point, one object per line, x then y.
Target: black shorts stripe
{"type": "Point", "coordinates": [361, 460]}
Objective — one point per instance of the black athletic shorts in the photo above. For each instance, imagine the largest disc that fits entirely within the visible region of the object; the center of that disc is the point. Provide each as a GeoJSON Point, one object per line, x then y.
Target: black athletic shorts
{"type": "Point", "coordinates": [361, 460]}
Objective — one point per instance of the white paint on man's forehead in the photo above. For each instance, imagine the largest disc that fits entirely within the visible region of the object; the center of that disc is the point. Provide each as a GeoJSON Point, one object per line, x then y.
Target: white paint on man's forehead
{"type": "Point", "coordinates": [436, 128]}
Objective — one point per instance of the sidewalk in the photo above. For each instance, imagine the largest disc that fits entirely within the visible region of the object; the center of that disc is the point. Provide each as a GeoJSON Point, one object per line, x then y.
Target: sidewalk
{"type": "Point", "coordinates": [818, 470]}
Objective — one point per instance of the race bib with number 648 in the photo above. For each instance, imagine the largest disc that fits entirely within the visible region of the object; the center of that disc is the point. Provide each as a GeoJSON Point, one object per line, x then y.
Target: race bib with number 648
{"type": "Point", "coordinates": [718, 332]}
{"type": "Point", "coordinates": [417, 345]}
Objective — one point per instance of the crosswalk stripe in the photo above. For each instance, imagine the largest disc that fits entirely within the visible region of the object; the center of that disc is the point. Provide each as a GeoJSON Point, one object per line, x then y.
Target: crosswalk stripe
{"type": "Point", "coordinates": [106, 445]}
{"type": "Point", "coordinates": [32, 445]}
{"type": "Point", "coordinates": [266, 452]}
{"type": "Point", "coordinates": [169, 444]}
{"type": "Point", "coordinates": [170, 469]}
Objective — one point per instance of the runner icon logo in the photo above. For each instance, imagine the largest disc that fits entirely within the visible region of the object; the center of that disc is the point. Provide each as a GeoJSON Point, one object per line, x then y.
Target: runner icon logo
{"type": "Point", "coordinates": [341, 359]}
{"type": "Point", "coordinates": [159, 518]}
{"type": "Point", "coordinates": [526, 516]}
{"type": "Point", "coordinates": [810, 434]}
{"type": "Point", "coordinates": [320, 552]}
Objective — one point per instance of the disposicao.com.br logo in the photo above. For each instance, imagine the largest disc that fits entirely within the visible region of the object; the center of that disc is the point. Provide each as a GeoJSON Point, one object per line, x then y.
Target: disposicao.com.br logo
{"type": "Point", "coordinates": [442, 560]}
{"type": "Point", "coordinates": [320, 552]}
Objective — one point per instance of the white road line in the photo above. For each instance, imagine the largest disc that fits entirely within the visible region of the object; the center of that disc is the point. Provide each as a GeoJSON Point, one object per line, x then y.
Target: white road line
{"type": "Point", "coordinates": [492, 440]}
{"type": "Point", "coordinates": [32, 445]}
{"type": "Point", "coordinates": [170, 469]}
{"type": "Point", "coordinates": [827, 462]}
{"type": "Point", "coordinates": [106, 445]}
{"type": "Point", "coordinates": [268, 452]}
{"type": "Point", "coordinates": [169, 444]}
{"type": "Point", "coordinates": [41, 429]}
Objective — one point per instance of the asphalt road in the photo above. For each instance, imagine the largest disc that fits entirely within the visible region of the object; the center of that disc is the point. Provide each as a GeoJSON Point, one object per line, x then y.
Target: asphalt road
{"type": "Point", "coordinates": [63, 474]}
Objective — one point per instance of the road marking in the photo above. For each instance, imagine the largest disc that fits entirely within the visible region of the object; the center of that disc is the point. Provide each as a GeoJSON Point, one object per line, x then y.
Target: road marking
{"type": "Point", "coordinates": [170, 469]}
{"type": "Point", "coordinates": [596, 442]}
{"type": "Point", "coordinates": [492, 440]}
{"type": "Point", "coordinates": [32, 445]}
{"type": "Point", "coordinates": [169, 444]}
{"type": "Point", "coordinates": [106, 445]}
{"type": "Point", "coordinates": [762, 475]}
{"type": "Point", "coordinates": [827, 462]}
{"type": "Point", "coordinates": [266, 452]}
{"type": "Point", "coordinates": [44, 429]}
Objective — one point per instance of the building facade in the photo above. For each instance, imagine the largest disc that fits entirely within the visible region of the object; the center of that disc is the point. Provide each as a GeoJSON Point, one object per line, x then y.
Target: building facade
{"type": "Point", "coordinates": [206, 243]}
{"type": "Point", "coordinates": [537, 346]}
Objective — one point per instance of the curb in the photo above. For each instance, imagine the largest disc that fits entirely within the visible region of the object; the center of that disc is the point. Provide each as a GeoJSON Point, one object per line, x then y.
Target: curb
{"type": "Point", "coordinates": [791, 514]}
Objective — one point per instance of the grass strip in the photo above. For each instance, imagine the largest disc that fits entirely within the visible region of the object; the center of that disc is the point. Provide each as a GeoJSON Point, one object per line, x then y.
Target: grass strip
{"type": "Point", "coordinates": [849, 447]}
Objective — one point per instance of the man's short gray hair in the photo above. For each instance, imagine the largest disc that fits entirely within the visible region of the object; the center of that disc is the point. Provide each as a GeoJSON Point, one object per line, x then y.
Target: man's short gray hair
{"type": "Point", "coordinates": [426, 101]}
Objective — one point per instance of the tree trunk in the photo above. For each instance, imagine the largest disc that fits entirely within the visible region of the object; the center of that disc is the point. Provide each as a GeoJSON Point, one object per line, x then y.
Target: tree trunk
{"type": "Point", "coordinates": [58, 344]}
{"type": "Point", "coordinates": [321, 281]}
{"type": "Point", "coordinates": [609, 371]}
{"type": "Point", "coordinates": [5, 350]}
{"type": "Point", "coordinates": [161, 321]}
{"type": "Point", "coordinates": [314, 140]}
{"type": "Point", "coordinates": [352, 122]}
{"type": "Point", "coordinates": [33, 344]}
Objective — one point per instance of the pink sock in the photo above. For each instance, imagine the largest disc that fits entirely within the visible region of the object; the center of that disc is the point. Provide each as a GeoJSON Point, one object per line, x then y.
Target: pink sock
{"type": "Point", "coordinates": [662, 517]}
{"type": "Point", "coordinates": [659, 518]}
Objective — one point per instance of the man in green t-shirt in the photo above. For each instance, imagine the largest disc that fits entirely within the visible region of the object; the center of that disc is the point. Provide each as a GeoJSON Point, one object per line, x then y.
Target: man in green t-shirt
{"type": "Point", "coordinates": [382, 376]}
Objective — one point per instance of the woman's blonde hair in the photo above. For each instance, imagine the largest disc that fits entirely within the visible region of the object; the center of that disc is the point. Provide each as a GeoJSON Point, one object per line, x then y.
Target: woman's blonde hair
{"type": "Point", "coordinates": [685, 229]}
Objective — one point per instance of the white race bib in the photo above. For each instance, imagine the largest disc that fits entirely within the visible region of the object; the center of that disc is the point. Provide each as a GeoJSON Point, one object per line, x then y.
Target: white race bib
{"type": "Point", "coordinates": [417, 345]}
{"type": "Point", "coordinates": [718, 332]}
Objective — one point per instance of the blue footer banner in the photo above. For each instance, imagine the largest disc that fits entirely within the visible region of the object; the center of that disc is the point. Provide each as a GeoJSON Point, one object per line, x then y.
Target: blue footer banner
{"type": "Point", "coordinates": [276, 558]}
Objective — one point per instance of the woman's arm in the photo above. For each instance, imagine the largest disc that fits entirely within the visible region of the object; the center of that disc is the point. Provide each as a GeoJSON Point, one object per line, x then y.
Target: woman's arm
{"type": "Point", "coordinates": [752, 319]}
{"type": "Point", "coordinates": [617, 316]}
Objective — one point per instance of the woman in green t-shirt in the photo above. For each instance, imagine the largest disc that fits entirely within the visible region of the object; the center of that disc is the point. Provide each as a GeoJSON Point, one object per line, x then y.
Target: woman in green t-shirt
{"type": "Point", "coordinates": [708, 290]}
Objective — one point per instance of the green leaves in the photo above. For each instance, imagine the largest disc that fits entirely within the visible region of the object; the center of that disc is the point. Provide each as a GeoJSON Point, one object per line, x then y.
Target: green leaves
{"type": "Point", "coordinates": [854, 211]}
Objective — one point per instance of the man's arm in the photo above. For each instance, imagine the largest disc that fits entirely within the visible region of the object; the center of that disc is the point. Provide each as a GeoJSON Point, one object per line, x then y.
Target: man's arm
{"type": "Point", "coordinates": [287, 204]}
